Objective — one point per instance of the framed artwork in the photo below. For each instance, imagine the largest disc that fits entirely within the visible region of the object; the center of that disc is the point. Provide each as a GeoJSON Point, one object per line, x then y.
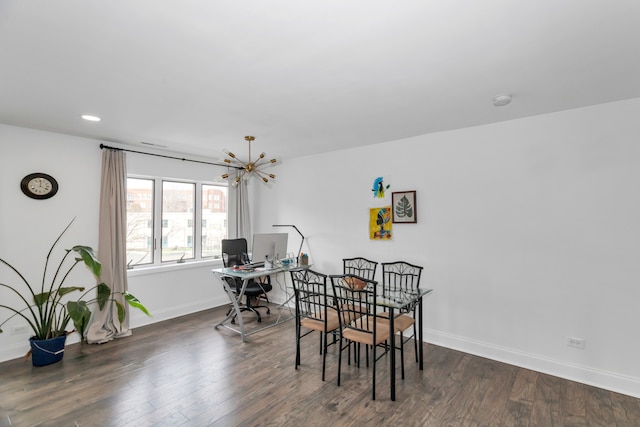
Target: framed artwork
{"type": "Point", "coordinates": [404, 207]}
{"type": "Point", "coordinates": [380, 223]}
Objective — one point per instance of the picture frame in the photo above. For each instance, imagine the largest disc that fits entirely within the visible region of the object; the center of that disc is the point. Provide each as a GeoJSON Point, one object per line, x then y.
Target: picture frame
{"type": "Point", "coordinates": [404, 207]}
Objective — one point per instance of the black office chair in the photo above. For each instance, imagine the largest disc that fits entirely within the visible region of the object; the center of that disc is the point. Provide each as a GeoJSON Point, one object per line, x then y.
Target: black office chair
{"type": "Point", "coordinates": [234, 252]}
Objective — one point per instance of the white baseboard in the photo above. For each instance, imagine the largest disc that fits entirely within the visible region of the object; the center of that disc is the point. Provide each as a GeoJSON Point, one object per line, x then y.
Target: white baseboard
{"type": "Point", "coordinates": [582, 374]}
{"type": "Point", "coordinates": [139, 319]}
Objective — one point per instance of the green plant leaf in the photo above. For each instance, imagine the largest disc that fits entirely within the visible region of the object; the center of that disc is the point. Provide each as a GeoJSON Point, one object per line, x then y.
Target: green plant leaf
{"type": "Point", "coordinates": [89, 258]}
{"type": "Point", "coordinates": [121, 312]}
{"type": "Point", "coordinates": [134, 302]}
{"type": "Point", "coordinates": [80, 314]}
{"type": "Point", "coordinates": [104, 293]}
{"type": "Point", "coordinates": [64, 291]}
{"type": "Point", "coordinates": [41, 299]}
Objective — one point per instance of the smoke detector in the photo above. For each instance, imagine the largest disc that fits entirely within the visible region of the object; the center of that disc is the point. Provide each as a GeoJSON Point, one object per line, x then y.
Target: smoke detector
{"type": "Point", "coordinates": [501, 100]}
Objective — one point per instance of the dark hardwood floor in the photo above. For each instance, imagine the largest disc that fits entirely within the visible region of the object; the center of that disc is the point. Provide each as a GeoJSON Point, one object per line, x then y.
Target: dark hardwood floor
{"type": "Point", "coordinates": [185, 372]}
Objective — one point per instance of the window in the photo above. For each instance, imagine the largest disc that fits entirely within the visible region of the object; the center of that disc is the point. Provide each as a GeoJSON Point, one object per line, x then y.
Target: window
{"type": "Point", "coordinates": [214, 220]}
{"type": "Point", "coordinates": [161, 229]}
{"type": "Point", "coordinates": [139, 222]}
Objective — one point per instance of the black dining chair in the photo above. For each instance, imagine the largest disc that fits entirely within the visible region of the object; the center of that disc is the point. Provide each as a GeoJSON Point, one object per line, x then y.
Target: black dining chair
{"type": "Point", "coordinates": [355, 301]}
{"type": "Point", "coordinates": [314, 310]}
{"type": "Point", "coordinates": [234, 253]}
{"type": "Point", "coordinates": [400, 276]}
{"type": "Point", "coordinates": [360, 267]}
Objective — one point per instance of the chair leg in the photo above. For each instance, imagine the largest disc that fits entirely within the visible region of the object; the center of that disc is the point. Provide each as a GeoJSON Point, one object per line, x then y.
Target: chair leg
{"type": "Point", "coordinates": [340, 359]}
{"type": "Point", "coordinates": [249, 307]}
{"type": "Point", "coordinates": [402, 355]}
{"type": "Point", "coordinates": [373, 370]}
{"type": "Point", "coordinates": [367, 354]}
{"type": "Point", "coordinates": [324, 352]}
{"type": "Point", "coordinates": [415, 340]}
{"type": "Point", "coordinates": [297, 343]}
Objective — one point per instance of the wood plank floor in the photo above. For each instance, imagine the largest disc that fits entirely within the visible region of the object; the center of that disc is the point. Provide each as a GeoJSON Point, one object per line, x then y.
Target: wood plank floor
{"type": "Point", "coordinates": [183, 372]}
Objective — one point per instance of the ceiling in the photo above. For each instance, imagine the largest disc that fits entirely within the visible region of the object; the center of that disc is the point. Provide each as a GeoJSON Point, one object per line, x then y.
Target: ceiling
{"type": "Point", "coordinates": [304, 77]}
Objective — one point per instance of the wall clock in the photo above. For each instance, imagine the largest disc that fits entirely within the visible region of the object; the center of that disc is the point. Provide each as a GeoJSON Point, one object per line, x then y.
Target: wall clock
{"type": "Point", "coordinates": [39, 185]}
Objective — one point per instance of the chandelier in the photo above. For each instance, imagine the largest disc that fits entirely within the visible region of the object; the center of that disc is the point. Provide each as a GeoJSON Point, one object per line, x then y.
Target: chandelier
{"type": "Point", "coordinates": [249, 167]}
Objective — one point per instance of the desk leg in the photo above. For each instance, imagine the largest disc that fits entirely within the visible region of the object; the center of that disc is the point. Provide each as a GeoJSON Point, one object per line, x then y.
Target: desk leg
{"type": "Point", "coordinates": [392, 361]}
{"type": "Point", "coordinates": [420, 341]}
{"type": "Point", "coordinates": [235, 300]}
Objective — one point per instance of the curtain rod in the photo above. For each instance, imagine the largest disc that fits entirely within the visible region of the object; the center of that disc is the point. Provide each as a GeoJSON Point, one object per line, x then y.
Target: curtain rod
{"type": "Point", "coordinates": [102, 146]}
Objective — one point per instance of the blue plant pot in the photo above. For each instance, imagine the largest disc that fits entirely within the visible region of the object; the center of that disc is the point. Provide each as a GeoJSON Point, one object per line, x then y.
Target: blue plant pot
{"type": "Point", "coordinates": [46, 352]}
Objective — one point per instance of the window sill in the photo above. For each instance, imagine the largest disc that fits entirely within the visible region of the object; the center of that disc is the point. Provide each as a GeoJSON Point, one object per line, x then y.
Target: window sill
{"type": "Point", "coordinates": [164, 268]}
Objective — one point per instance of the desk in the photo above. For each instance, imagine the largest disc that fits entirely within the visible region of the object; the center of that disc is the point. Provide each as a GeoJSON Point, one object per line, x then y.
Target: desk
{"type": "Point", "coordinates": [399, 300]}
{"type": "Point", "coordinates": [236, 299]}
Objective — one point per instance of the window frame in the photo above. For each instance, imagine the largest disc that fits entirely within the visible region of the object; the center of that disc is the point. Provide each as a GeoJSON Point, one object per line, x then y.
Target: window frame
{"type": "Point", "coordinates": [196, 232]}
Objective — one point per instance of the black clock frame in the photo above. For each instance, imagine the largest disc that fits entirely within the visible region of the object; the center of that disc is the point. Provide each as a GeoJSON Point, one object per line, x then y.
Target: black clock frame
{"type": "Point", "coordinates": [24, 186]}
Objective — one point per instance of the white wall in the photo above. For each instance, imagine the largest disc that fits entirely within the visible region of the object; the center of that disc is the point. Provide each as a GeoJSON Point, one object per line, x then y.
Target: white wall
{"type": "Point", "coordinates": [528, 230]}
{"type": "Point", "coordinates": [28, 227]}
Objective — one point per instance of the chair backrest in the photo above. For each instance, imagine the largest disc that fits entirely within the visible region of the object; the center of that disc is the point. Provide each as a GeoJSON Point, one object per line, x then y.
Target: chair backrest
{"type": "Point", "coordinates": [400, 276]}
{"type": "Point", "coordinates": [234, 252]}
{"type": "Point", "coordinates": [360, 267]}
{"type": "Point", "coordinates": [310, 289]}
{"type": "Point", "coordinates": [355, 306]}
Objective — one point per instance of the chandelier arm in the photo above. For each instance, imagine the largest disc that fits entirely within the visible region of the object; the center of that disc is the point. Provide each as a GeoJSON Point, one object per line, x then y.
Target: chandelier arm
{"type": "Point", "coordinates": [262, 175]}
{"type": "Point", "coordinates": [234, 161]}
{"type": "Point", "coordinates": [238, 179]}
{"type": "Point", "coordinates": [261, 171]}
{"type": "Point", "coordinates": [265, 175]}
{"type": "Point", "coordinates": [265, 162]}
{"type": "Point", "coordinates": [258, 163]}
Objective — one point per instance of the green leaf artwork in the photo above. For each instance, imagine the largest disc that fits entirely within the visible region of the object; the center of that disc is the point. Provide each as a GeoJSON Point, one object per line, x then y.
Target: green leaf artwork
{"type": "Point", "coordinates": [403, 208]}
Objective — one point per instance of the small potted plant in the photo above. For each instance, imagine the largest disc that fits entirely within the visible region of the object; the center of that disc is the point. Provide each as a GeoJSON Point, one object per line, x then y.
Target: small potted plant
{"type": "Point", "coordinates": [48, 307]}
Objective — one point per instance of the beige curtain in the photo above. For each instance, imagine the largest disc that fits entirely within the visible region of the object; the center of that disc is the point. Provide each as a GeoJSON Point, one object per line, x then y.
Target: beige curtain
{"type": "Point", "coordinates": [241, 215]}
{"type": "Point", "coordinates": [112, 242]}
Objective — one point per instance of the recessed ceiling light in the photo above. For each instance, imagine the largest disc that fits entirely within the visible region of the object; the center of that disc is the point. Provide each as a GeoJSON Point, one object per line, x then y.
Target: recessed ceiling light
{"type": "Point", "coordinates": [501, 100]}
{"type": "Point", "coordinates": [91, 118]}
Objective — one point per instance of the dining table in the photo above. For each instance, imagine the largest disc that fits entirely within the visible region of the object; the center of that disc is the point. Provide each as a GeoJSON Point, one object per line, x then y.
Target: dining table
{"type": "Point", "coordinates": [402, 300]}
{"type": "Point", "coordinates": [393, 301]}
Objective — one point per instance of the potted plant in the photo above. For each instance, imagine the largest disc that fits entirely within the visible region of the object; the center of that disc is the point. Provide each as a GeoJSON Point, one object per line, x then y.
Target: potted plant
{"type": "Point", "coordinates": [48, 307]}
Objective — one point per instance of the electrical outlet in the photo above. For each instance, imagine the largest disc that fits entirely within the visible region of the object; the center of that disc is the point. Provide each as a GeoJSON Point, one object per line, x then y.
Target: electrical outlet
{"type": "Point", "coordinates": [19, 330]}
{"type": "Point", "coordinates": [576, 342]}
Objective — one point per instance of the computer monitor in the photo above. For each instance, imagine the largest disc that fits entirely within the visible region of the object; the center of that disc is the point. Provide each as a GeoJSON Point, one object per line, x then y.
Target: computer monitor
{"type": "Point", "coordinates": [271, 245]}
